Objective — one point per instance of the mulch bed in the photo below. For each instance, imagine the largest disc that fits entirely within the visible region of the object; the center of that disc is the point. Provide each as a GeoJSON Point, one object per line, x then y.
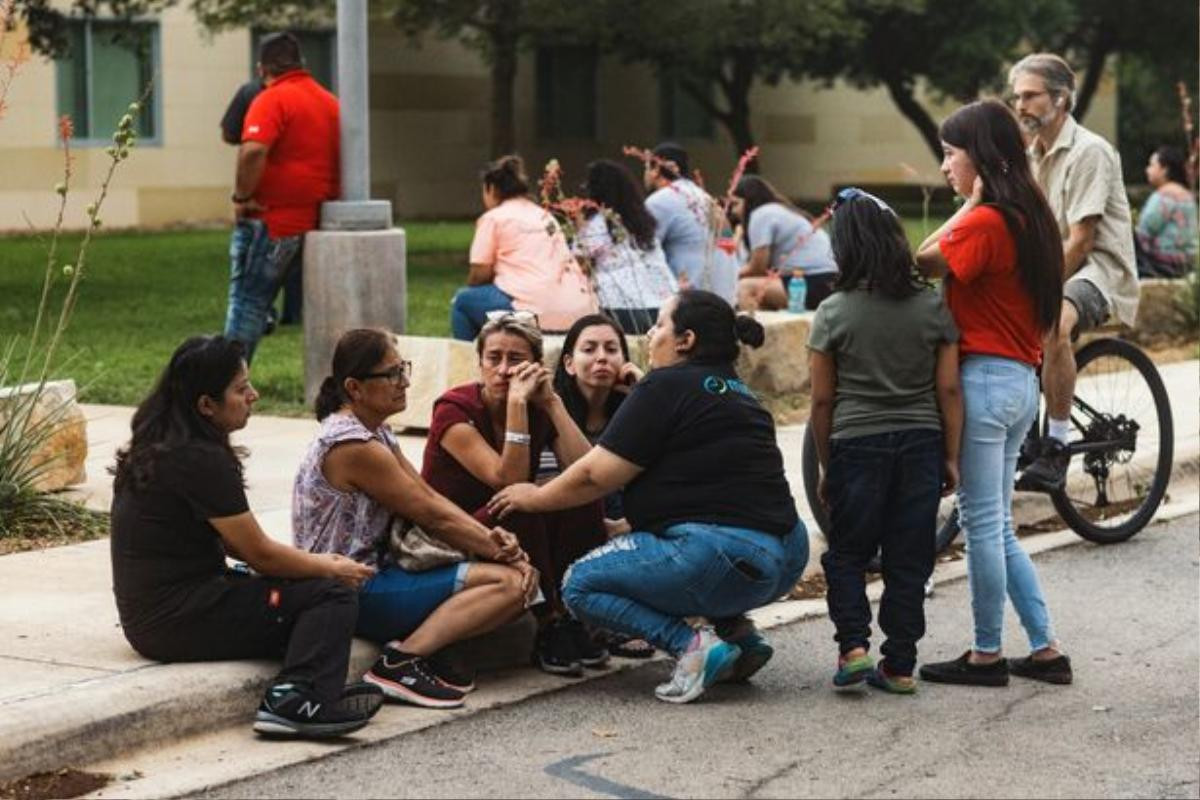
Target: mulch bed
{"type": "Point", "coordinates": [63, 783]}
{"type": "Point", "coordinates": [37, 534]}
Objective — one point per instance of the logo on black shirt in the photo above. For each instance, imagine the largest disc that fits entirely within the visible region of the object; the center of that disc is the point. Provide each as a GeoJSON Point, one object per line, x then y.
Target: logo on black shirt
{"type": "Point", "coordinates": [715, 384]}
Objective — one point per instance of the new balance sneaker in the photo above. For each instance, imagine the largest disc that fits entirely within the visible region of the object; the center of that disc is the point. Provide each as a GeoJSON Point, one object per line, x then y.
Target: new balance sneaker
{"type": "Point", "coordinates": [451, 672]}
{"type": "Point", "coordinates": [554, 651]}
{"type": "Point", "coordinates": [289, 710]}
{"type": "Point", "coordinates": [709, 659]}
{"type": "Point", "coordinates": [852, 673]}
{"type": "Point", "coordinates": [406, 677]}
{"type": "Point", "coordinates": [589, 653]}
{"type": "Point", "coordinates": [1048, 473]}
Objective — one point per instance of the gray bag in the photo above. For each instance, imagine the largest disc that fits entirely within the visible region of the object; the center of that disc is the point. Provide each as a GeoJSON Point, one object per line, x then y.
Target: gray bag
{"type": "Point", "coordinates": [414, 550]}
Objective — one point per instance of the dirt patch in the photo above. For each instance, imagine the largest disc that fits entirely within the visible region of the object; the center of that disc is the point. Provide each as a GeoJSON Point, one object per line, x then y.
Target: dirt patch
{"type": "Point", "coordinates": [63, 783]}
{"type": "Point", "coordinates": [39, 533]}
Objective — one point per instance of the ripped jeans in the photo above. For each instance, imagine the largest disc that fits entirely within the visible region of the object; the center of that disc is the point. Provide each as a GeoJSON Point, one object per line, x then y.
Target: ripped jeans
{"type": "Point", "coordinates": [644, 584]}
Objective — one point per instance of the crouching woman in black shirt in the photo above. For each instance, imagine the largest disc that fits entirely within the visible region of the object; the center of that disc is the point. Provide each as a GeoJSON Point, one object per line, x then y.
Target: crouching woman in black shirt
{"type": "Point", "coordinates": [179, 506]}
{"type": "Point", "coordinates": [715, 530]}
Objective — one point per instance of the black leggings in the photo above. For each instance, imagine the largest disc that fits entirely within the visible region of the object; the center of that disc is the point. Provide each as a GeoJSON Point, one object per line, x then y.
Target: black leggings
{"type": "Point", "coordinates": [309, 623]}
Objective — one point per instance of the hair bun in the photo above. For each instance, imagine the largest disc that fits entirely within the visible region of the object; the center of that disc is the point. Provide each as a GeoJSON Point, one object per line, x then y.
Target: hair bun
{"type": "Point", "coordinates": [749, 330]}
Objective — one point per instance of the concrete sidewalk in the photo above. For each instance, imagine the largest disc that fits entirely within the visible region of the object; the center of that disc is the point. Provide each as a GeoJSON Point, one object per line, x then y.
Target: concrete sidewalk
{"type": "Point", "coordinates": [72, 691]}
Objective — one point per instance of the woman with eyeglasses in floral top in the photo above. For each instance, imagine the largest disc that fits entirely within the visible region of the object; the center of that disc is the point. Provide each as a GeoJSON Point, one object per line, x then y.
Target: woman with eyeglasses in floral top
{"type": "Point", "coordinates": [489, 434]}
{"type": "Point", "coordinates": [352, 482]}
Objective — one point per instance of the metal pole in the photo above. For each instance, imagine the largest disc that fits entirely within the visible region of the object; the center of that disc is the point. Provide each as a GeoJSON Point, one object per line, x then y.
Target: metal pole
{"type": "Point", "coordinates": [352, 93]}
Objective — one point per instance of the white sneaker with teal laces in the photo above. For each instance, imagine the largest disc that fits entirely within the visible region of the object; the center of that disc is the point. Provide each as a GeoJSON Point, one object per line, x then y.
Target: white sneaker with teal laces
{"type": "Point", "coordinates": [708, 660]}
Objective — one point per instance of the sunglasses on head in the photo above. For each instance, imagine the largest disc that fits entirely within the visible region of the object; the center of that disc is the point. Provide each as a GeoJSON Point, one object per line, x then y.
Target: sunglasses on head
{"type": "Point", "coordinates": [505, 315]}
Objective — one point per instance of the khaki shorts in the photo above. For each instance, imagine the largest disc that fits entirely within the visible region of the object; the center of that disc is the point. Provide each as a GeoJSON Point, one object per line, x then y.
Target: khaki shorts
{"type": "Point", "coordinates": [1089, 304]}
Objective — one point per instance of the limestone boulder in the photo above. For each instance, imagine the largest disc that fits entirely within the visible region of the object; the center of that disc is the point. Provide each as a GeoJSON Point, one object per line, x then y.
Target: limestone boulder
{"type": "Point", "coordinates": [61, 452]}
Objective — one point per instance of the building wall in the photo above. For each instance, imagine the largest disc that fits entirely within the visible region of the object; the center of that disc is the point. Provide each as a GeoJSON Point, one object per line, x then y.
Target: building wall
{"type": "Point", "coordinates": [430, 133]}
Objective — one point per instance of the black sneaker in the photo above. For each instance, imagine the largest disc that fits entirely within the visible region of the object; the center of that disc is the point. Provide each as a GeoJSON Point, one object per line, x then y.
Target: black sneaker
{"type": "Point", "coordinates": [405, 677]}
{"type": "Point", "coordinates": [288, 710]}
{"type": "Point", "coordinates": [962, 671]}
{"type": "Point", "coordinates": [587, 650]}
{"type": "Point", "coordinates": [451, 672]}
{"type": "Point", "coordinates": [554, 651]}
{"type": "Point", "coordinates": [1048, 472]}
{"type": "Point", "coordinates": [1052, 670]}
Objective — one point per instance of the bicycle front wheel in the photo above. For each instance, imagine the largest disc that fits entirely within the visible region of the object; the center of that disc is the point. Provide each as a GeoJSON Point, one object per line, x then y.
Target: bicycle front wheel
{"type": "Point", "coordinates": [1122, 443]}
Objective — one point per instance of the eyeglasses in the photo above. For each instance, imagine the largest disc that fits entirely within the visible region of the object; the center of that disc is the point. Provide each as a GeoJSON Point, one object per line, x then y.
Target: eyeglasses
{"type": "Point", "coordinates": [507, 315]}
{"type": "Point", "coordinates": [401, 373]}
{"type": "Point", "coordinates": [1024, 97]}
{"type": "Point", "coordinates": [850, 193]}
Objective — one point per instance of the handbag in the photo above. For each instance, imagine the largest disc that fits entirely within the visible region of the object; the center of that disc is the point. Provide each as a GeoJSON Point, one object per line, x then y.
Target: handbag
{"type": "Point", "coordinates": [414, 550]}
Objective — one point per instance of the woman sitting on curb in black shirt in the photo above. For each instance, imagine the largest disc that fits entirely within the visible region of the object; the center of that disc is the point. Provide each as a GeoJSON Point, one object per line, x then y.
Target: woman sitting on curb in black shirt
{"type": "Point", "coordinates": [715, 530]}
{"type": "Point", "coordinates": [179, 506]}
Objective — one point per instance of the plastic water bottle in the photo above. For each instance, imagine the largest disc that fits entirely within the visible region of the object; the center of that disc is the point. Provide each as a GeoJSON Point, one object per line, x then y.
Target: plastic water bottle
{"type": "Point", "coordinates": [797, 292]}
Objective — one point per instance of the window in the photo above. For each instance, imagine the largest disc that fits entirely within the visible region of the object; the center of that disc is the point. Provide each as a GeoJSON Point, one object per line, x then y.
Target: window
{"type": "Point", "coordinates": [319, 48]}
{"type": "Point", "coordinates": [107, 66]}
{"type": "Point", "coordinates": [680, 115]}
{"type": "Point", "coordinates": [566, 93]}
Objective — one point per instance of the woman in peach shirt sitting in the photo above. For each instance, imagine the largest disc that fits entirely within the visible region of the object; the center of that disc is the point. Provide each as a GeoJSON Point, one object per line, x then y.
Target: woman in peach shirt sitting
{"type": "Point", "coordinates": [519, 260]}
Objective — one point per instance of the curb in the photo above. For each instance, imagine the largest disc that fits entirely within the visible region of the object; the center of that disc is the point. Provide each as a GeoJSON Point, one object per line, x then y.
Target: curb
{"type": "Point", "coordinates": [222, 757]}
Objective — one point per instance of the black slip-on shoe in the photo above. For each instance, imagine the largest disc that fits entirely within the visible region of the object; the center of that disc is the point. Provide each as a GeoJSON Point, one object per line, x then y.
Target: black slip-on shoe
{"type": "Point", "coordinates": [1051, 670]}
{"type": "Point", "coordinates": [962, 671]}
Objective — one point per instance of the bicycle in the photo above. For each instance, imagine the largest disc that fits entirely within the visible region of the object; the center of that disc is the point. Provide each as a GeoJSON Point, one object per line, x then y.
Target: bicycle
{"type": "Point", "coordinates": [1109, 495]}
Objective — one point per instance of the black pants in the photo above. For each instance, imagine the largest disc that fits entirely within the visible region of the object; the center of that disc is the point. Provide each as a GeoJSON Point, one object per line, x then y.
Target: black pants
{"type": "Point", "coordinates": [309, 623]}
{"type": "Point", "coordinates": [817, 288]}
{"type": "Point", "coordinates": [884, 492]}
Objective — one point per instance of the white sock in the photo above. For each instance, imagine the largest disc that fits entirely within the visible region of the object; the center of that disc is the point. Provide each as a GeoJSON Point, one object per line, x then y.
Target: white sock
{"type": "Point", "coordinates": [1058, 429]}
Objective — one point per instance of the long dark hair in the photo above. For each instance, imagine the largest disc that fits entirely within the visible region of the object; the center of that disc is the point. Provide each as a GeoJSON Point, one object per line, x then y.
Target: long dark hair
{"type": "Point", "coordinates": [507, 176]}
{"type": "Point", "coordinates": [871, 250]}
{"type": "Point", "coordinates": [358, 351]}
{"type": "Point", "coordinates": [613, 186]}
{"type": "Point", "coordinates": [717, 328]}
{"type": "Point", "coordinates": [1172, 161]}
{"type": "Point", "coordinates": [203, 366]}
{"type": "Point", "coordinates": [987, 130]}
{"type": "Point", "coordinates": [565, 384]}
{"type": "Point", "coordinates": [757, 192]}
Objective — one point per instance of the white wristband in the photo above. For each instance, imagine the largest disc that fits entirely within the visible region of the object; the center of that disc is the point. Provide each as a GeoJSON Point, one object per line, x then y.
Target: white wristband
{"type": "Point", "coordinates": [518, 438]}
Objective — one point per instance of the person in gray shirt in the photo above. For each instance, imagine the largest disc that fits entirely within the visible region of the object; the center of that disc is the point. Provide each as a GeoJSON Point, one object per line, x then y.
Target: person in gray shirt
{"type": "Point", "coordinates": [779, 237]}
{"type": "Point", "coordinates": [691, 226]}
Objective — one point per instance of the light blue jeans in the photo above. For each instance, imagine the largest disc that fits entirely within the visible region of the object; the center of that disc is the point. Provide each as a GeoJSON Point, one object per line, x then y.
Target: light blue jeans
{"type": "Point", "coordinates": [644, 584]}
{"type": "Point", "coordinates": [469, 307]}
{"type": "Point", "coordinates": [1000, 401]}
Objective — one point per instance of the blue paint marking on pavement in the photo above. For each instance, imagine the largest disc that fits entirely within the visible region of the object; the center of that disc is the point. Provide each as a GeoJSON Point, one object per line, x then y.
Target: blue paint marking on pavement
{"type": "Point", "coordinates": [568, 770]}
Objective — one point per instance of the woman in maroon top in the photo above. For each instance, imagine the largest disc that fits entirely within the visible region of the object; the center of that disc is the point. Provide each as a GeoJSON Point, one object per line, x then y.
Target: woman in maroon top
{"type": "Point", "coordinates": [488, 435]}
{"type": "Point", "coordinates": [1002, 259]}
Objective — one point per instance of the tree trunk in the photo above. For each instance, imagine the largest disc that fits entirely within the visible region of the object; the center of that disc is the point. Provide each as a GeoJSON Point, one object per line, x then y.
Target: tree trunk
{"type": "Point", "coordinates": [1098, 51]}
{"type": "Point", "coordinates": [902, 95]}
{"type": "Point", "coordinates": [736, 90]}
{"type": "Point", "coordinates": [504, 72]}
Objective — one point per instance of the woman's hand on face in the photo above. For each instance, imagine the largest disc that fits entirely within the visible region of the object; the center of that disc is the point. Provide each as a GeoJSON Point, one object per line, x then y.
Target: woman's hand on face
{"type": "Point", "coordinates": [516, 497]}
{"type": "Point", "coordinates": [523, 381]}
{"type": "Point", "coordinates": [543, 393]}
{"type": "Point", "coordinates": [348, 571]}
{"type": "Point", "coordinates": [628, 375]}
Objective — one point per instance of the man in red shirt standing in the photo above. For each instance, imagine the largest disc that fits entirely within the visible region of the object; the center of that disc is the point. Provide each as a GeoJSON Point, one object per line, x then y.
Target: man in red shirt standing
{"type": "Point", "coordinates": [288, 164]}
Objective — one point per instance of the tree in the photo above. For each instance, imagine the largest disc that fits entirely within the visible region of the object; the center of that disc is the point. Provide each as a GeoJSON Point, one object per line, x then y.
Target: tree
{"type": "Point", "coordinates": [952, 48]}
{"type": "Point", "coordinates": [728, 45]}
{"type": "Point", "coordinates": [498, 30]}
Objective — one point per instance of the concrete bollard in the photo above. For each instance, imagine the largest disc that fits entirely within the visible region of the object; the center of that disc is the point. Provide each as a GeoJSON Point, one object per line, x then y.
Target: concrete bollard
{"type": "Point", "coordinates": [352, 279]}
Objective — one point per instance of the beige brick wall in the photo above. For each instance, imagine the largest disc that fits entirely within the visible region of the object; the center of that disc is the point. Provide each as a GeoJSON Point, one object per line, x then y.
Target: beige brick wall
{"type": "Point", "coordinates": [430, 133]}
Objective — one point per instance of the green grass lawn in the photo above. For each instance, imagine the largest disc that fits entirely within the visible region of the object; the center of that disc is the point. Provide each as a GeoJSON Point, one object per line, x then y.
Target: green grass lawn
{"type": "Point", "coordinates": [144, 293]}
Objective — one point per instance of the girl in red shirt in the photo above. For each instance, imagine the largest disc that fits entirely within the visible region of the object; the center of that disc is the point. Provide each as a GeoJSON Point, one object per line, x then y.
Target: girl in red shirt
{"type": "Point", "coordinates": [1002, 259]}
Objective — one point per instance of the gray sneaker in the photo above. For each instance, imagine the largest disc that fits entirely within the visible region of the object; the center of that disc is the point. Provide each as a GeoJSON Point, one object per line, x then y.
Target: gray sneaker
{"type": "Point", "coordinates": [708, 660]}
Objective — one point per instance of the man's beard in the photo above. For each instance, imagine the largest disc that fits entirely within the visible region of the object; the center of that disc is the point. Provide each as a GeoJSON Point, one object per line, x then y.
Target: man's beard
{"type": "Point", "coordinates": [1034, 124]}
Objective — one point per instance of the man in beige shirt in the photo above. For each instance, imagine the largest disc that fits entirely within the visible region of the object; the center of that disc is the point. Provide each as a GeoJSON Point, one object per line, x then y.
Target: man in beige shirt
{"type": "Point", "coordinates": [1081, 176]}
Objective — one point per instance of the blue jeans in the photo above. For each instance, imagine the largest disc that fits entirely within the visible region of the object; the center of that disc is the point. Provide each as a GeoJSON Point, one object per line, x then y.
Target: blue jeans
{"type": "Point", "coordinates": [1000, 401]}
{"type": "Point", "coordinates": [394, 603]}
{"type": "Point", "coordinates": [469, 307]}
{"type": "Point", "coordinates": [258, 267]}
{"type": "Point", "coordinates": [644, 584]}
{"type": "Point", "coordinates": [884, 492]}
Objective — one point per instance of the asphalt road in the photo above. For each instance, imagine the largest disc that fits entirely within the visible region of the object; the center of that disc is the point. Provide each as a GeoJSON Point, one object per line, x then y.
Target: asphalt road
{"type": "Point", "coordinates": [1128, 727]}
